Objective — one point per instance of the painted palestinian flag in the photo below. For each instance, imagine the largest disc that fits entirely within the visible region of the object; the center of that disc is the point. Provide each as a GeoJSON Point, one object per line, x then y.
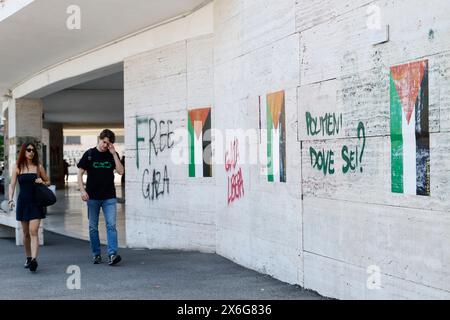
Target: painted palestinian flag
{"type": "Point", "coordinates": [276, 135]}
{"type": "Point", "coordinates": [410, 134]}
{"type": "Point", "coordinates": [200, 153]}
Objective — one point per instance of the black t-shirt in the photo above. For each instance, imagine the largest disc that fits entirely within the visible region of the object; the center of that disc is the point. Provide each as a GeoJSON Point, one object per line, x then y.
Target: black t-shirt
{"type": "Point", "coordinates": [100, 174]}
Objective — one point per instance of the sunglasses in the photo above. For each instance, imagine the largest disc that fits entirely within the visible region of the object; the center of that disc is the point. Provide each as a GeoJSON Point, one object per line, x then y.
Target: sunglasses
{"type": "Point", "coordinates": [30, 150]}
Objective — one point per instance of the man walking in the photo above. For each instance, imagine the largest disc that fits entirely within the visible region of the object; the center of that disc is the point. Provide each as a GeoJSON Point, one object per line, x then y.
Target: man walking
{"type": "Point", "coordinates": [66, 170]}
{"type": "Point", "coordinates": [100, 163]}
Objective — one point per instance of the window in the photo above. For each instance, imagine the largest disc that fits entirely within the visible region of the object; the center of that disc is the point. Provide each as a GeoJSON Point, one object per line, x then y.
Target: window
{"type": "Point", "coordinates": [72, 140]}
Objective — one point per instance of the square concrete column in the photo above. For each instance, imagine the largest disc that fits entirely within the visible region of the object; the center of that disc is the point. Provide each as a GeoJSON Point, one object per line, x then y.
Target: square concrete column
{"type": "Point", "coordinates": [24, 126]}
{"type": "Point", "coordinates": [56, 154]}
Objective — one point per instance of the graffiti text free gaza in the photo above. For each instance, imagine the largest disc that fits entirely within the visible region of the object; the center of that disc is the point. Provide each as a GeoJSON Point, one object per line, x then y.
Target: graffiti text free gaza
{"type": "Point", "coordinates": [155, 182]}
{"type": "Point", "coordinates": [160, 136]}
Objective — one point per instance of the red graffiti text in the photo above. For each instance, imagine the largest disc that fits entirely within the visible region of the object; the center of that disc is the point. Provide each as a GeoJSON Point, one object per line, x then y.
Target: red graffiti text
{"type": "Point", "coordinates": [235, 179]}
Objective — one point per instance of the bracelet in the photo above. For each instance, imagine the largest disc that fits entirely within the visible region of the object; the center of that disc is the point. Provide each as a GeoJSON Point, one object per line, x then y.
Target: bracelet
{"type": "Point", "coordinates": [10, 201]}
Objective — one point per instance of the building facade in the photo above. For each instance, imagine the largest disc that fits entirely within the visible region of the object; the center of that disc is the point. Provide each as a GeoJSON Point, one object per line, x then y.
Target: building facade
{"type": "Point", "coordinates": [303, 139]}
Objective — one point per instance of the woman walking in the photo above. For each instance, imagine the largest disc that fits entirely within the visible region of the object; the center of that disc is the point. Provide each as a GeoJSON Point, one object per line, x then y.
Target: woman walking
{"type": "Point", "coordinates": [28, 172]}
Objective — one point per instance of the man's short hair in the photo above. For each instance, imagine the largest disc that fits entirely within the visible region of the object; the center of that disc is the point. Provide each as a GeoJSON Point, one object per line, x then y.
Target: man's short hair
{"type": "Point", "coordinates": [108, 134]}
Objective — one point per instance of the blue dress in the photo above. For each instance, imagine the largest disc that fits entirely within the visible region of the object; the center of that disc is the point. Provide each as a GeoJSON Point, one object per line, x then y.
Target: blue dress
{"type": "Point", "coordinates": [27, 207]}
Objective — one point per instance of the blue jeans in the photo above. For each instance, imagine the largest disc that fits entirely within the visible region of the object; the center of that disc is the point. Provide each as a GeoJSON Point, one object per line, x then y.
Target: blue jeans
{"type": "Point", "coordinates": [110, 212]}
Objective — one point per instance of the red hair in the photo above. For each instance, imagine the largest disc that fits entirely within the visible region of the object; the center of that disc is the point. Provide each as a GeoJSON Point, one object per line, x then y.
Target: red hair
{"type": "Point", "coordinates": [22, 160]}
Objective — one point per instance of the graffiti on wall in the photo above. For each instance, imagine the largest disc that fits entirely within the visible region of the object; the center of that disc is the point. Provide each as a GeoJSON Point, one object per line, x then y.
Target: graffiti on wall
{"type": "Point", "coordinates": [272, 113]}
{"type": "Point", "coordinates": [234, 173]}
{"type": "Point", "coordinates": [158, 138]}
{"type": "Point", "coordinates": [330, 125]}
{"type": "Point", "coordinates": [410, 134]}
{"type": "Point", "coordinates": [200, 152]}
{"type": "Point", "coordinates": [156, 184]}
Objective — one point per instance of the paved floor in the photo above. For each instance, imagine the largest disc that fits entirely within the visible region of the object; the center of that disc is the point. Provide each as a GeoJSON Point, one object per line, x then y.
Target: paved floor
{"type": "Point", "coordinates": [69, 216]}
{"type": "Point", "coordinates": [143, 274]}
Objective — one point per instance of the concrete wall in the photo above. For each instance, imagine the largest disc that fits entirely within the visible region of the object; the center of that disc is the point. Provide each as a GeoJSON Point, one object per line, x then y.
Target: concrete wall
{"type": "Point", "coordinates": [341, 233]}
{"type": "Point", "coordinates": [353, 221]}
{"type": "Point", "coordinates": [256, 53]}
{"type": "Point", "coordinates": [160, 87]}
{"type": "Point", "coordinates": [345, 235]}
{"type": "Point", "coordinates": [24, 126]}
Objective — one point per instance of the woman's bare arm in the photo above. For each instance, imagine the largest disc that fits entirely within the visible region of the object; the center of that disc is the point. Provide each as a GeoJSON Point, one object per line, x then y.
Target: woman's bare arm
{"type": "Point", "coordinates": [43, 175]}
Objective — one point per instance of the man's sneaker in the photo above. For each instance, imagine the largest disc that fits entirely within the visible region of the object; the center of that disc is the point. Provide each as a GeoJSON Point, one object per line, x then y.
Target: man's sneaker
{"type": "Point", "coordinates": [114, 259]}
{"type": "Point", "coordinates": [97, 259]}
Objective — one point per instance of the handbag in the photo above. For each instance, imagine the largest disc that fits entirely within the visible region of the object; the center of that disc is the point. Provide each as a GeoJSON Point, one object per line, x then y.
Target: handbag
{"type": "Point", "coordinates": [44, 196]}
